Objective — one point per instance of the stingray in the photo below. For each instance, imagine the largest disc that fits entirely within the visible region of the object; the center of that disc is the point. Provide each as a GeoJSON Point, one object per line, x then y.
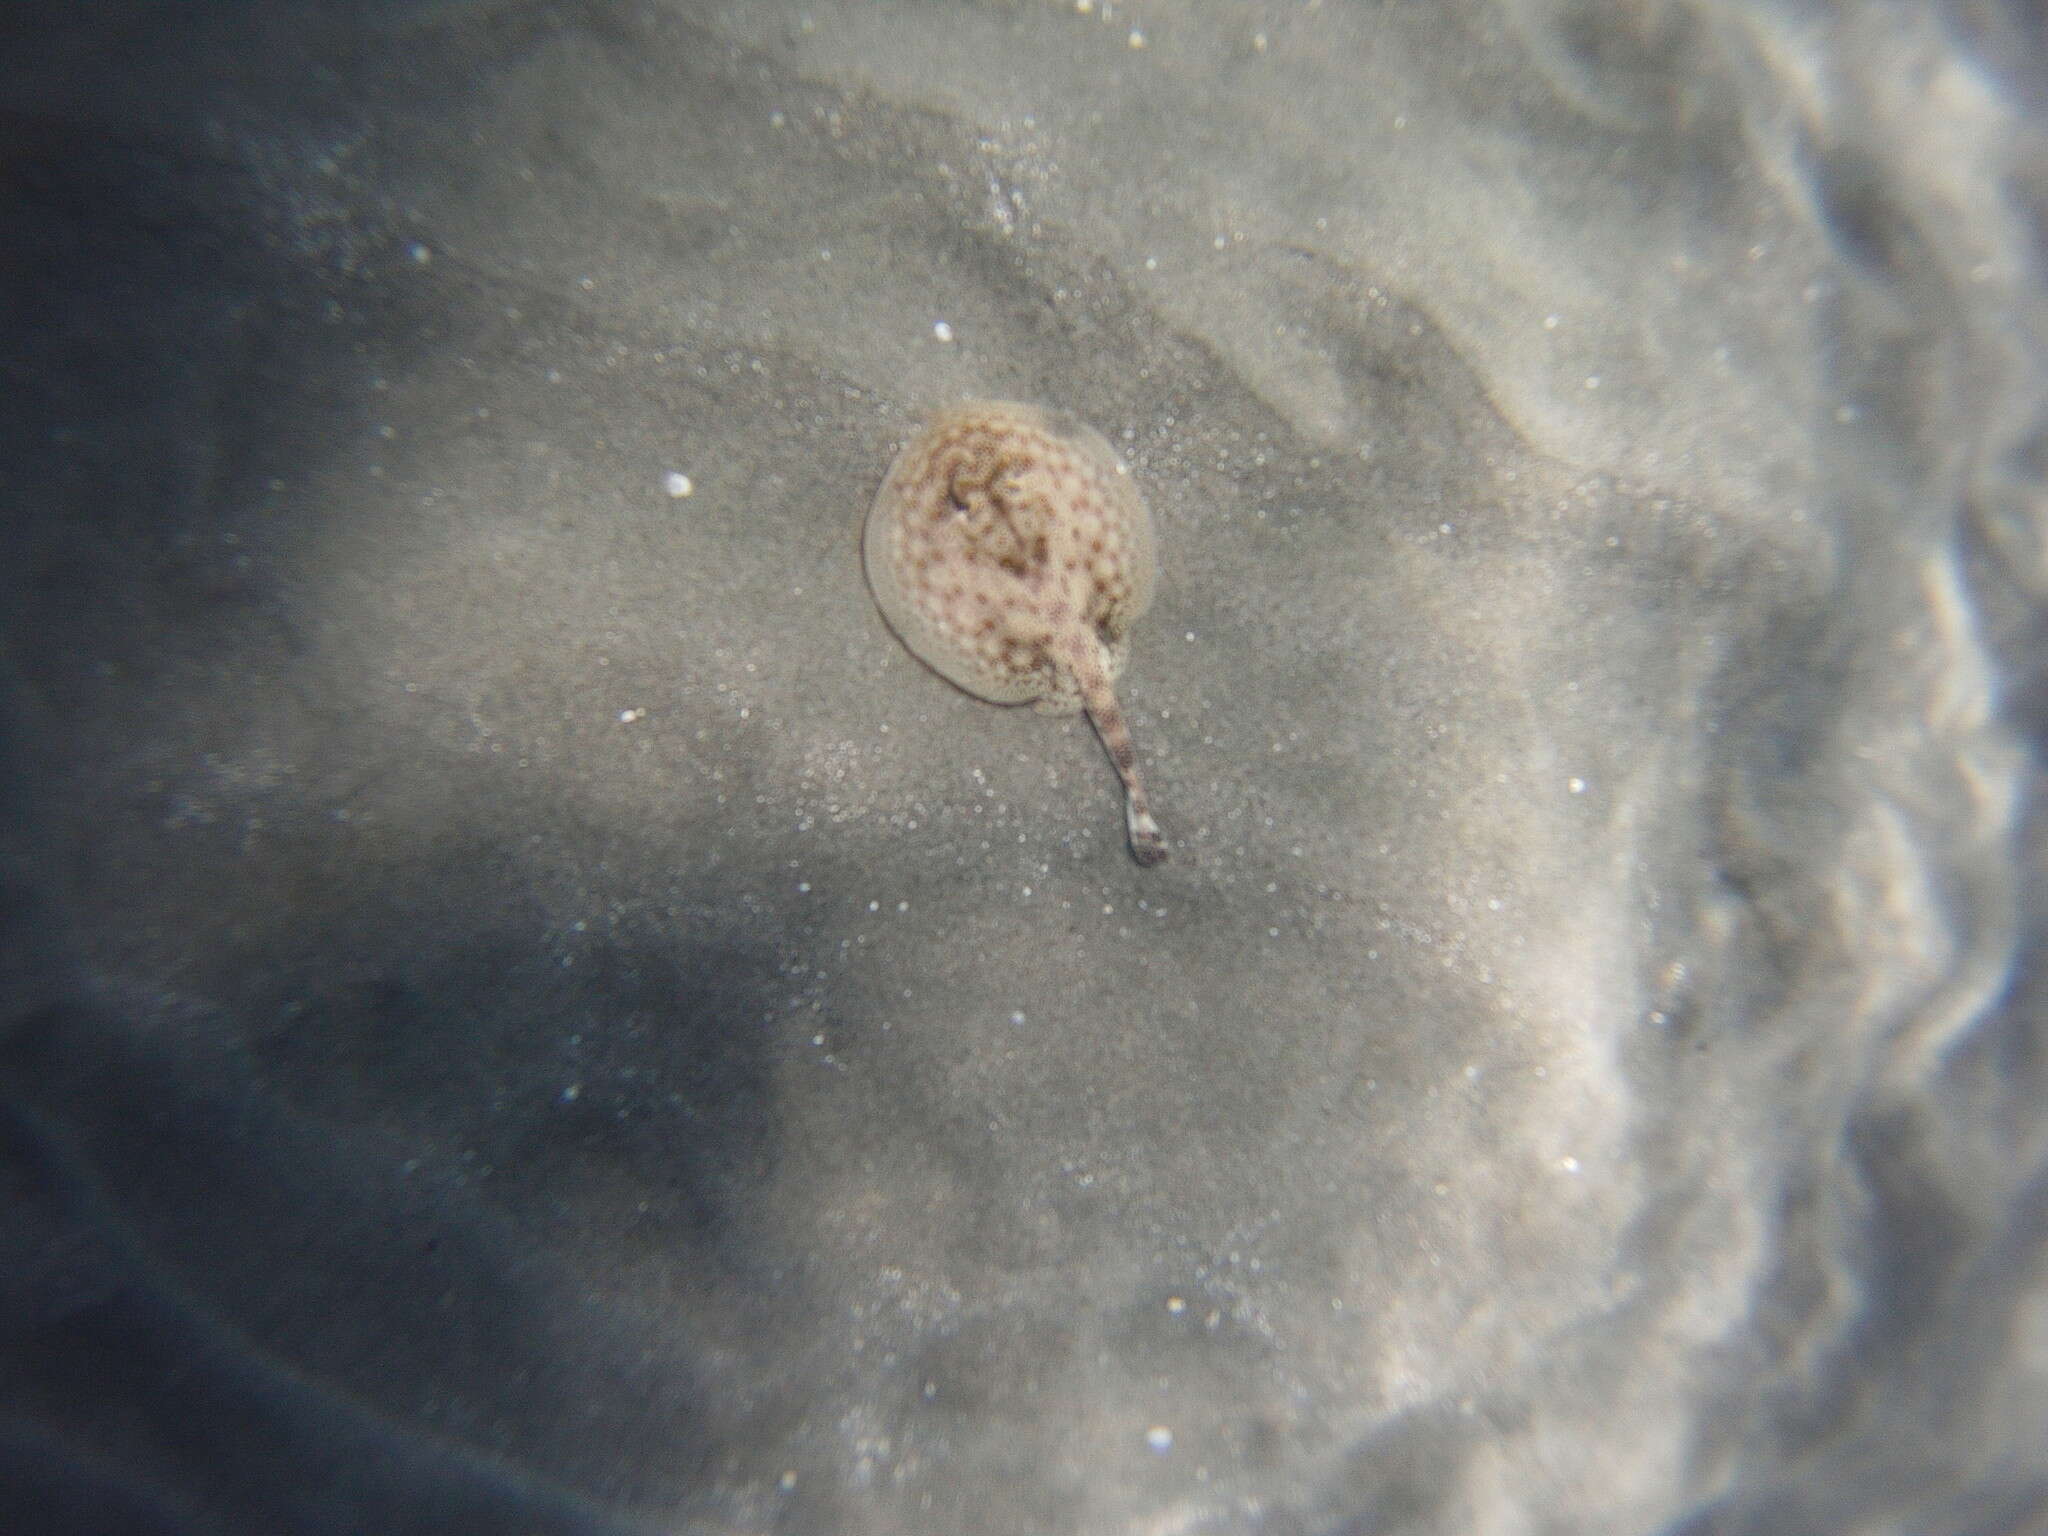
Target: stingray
{"type": "Point", "coordinates": [1010, 551]}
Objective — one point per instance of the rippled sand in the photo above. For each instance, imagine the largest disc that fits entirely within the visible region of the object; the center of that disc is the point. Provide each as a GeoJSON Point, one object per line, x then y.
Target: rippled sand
{"type": "Point", "coordinates": [526, 1009]}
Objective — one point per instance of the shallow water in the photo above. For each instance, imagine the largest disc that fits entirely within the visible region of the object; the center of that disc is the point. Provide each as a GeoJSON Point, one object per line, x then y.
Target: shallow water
{"type": "Point", "coordinates": [527, 1009]}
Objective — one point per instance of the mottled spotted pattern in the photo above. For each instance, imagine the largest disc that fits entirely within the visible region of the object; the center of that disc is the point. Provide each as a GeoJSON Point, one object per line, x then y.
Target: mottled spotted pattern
{"type": "Point", "coordinates": [1011, 552]}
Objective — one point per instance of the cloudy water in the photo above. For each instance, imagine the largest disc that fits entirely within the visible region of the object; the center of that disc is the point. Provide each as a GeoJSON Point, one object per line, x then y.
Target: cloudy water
{"type": "Point", "coordinates": [527, 1008]}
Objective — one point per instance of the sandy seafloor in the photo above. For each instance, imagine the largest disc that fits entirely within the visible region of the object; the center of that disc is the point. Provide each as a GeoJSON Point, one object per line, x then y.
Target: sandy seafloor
{"type": "Point", "coordinates": [526, 1011]}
